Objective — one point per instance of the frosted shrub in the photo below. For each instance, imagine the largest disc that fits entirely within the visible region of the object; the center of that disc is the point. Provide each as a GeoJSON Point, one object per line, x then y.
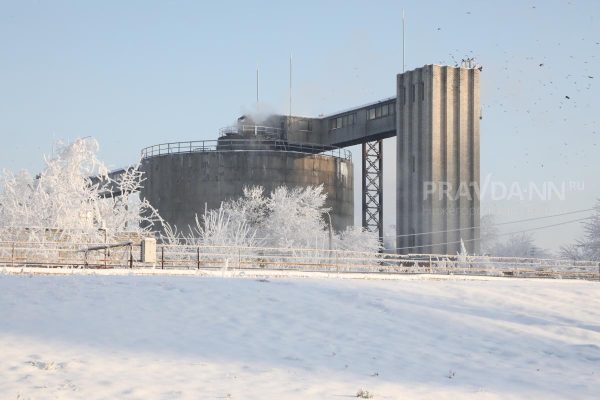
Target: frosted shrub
{"type": "Point", "coordinates": [364, 394]}
{"type": "Point", "coordinates": [294, 219]}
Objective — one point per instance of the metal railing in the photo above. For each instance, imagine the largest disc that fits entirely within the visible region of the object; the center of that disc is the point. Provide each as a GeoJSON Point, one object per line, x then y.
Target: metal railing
{"type": "Point", "coordinates": [267, 131]}
{"type": "Point", "coordinates": [248, 145]}
{"type": "Point", "coordinates": [66, 254]}
{"type": "Point", "coordinates": [128, 255]}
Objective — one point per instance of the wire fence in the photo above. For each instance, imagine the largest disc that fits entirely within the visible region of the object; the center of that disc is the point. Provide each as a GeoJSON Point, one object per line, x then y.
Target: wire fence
{"type": "Point", "coordinates": [129, 255]}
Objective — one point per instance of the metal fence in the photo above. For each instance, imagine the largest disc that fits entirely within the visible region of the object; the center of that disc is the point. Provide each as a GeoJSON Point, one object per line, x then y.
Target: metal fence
{"type": "Point", "coordinates": [64, 254]}
{"type": "Point", "coordinates": [128, 255]}
{"type": "Point", "coordinates": [229, 145]}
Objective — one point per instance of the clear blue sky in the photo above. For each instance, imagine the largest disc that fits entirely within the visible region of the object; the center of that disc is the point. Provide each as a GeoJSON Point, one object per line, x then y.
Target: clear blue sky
{"type": "Point", "coordinates": [137, 73]}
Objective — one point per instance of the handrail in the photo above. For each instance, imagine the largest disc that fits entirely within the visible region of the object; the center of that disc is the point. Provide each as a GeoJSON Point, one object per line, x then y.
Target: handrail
{"type": "Point", "coordinates": [251, 129]}
{"type": "Point", "coordinates": [229, 145]}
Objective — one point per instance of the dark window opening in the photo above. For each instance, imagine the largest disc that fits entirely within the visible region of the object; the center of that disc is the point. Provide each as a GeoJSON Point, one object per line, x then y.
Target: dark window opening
{"type": "Point", "coordinates": [381, 111]}
{"type": "Point", "coordinates": [340, 122]}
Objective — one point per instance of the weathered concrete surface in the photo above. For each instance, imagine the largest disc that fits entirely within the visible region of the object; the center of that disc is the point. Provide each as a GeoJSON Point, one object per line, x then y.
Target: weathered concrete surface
{"type": "Point", "coordinates": [180, 185]}
{"type": "Point", "coordinates": [438, 117]}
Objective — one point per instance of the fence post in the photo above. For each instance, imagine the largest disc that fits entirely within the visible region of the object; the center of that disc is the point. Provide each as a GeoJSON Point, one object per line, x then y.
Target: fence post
{"type": "Point", "coordinates": [162, 257]}
{"type": "Point", "coordinates": [198, 256]}
{"type": "Point", "coordinates": [130, 256]}
{"type": "Point", "coordinates": [105, 250]}
{"type": "Point", "coordinates": [337, 265]}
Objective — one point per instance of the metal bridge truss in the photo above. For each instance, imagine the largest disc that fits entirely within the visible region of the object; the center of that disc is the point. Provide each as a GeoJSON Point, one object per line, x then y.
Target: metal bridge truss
{"type": "Point", "coordinates": [372, 187]}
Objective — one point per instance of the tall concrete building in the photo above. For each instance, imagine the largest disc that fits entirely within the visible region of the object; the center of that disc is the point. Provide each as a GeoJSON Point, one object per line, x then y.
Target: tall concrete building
{"type": "Point", "coordinates": [437, 124]}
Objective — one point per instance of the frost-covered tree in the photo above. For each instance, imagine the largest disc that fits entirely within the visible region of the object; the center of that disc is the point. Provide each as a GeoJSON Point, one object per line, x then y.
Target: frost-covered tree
{"type": "Point", "coordinates": [294, 218]}
{"type": "Point", "coordinates": [220, 228]}
{"type": "Point", "coordinates": [488, 232]}
{"type": "Point", "coordinates": [587, 248]}
{"type": "Point", "coordinates": [519, 245]}
{"type": "Point", "coordinates": [357, 239]}
{"type": "Point", "coordinates": [516, 245]}
{"type": "Point", "coordinates": [70, 197]}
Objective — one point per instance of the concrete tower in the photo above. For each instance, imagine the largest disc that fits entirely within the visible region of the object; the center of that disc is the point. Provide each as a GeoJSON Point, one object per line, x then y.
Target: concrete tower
{"type": "Point", "coordinates": [437, 124]}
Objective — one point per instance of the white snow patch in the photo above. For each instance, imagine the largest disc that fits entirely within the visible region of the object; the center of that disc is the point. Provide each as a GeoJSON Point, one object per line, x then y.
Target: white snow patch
{"type": "Point", "coordinates": [169, 337]}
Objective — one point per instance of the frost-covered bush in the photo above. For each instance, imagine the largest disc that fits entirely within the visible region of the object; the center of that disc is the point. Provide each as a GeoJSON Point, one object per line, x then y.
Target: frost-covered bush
{"type": "Point", "coordinates": [288, 218]}
{"type": "Point", "coordinates": [488, 231]}
{"type": "Point", "coordinates": [364, 394]}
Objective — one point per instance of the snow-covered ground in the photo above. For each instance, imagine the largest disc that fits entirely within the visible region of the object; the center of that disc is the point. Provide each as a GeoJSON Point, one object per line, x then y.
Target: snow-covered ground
{"type": "Point", "coordinates": [194, 337]}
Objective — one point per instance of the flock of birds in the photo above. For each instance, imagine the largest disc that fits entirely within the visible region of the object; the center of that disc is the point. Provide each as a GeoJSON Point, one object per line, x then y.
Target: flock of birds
{"type": "Point", "coordinates": [518, 95]}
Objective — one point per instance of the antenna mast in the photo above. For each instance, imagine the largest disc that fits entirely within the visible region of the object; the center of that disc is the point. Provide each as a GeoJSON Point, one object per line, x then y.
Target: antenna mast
{"type": "Point", "coordinates": [290, 86]}
{"type": "Point", "coordinates": [403, 41]}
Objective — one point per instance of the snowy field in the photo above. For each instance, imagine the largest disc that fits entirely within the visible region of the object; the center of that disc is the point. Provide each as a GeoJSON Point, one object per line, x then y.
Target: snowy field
{"type": "Point", "coordinates": [193, 337]}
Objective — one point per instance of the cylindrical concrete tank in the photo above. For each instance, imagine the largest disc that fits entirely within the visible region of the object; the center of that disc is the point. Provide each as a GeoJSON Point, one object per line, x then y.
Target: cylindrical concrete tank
{"type": "Point", "coordinates": [183, 178]}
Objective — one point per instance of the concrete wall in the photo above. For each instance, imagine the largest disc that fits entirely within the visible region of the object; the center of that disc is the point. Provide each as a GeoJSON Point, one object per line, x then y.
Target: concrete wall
{"type": "Point", "coordinates": [438, 159]}
{"type": "Point", "coordinates": [179, 185]}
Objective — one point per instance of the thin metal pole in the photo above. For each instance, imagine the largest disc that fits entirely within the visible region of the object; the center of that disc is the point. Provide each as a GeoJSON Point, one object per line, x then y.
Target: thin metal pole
{"type": "Point", "coordinates": [198, 253]}
{"type": "Point", "coordinates": [290, 86]}
{"type": "Point", "coordinates": [403, 40]}
{"type": "Point", "coordinates": [162, 257]}
{"type": "Point", "coordinates": [105, 250]}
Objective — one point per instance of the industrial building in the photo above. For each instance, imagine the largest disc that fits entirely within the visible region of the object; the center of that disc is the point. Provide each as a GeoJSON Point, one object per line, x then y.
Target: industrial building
{"type": "Point", "coordinates": [185, 177]}
{"type": "Point", "coordinates": [435, 117]}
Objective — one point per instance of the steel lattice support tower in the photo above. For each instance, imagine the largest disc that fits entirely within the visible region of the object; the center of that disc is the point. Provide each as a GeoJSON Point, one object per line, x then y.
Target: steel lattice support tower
{"type": "Point", "coordinates": [372, 187]}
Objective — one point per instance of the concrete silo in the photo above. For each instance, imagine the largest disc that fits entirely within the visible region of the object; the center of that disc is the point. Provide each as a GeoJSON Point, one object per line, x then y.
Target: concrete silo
{"type": "Point", "coordinates": [183, 178]}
